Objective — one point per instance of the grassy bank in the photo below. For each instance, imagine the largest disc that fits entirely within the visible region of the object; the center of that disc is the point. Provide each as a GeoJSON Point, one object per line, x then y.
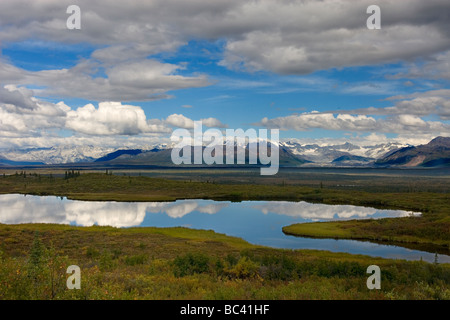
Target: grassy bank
{"type": "Point", "coordinates": [414, 233]}
{"type": "Point", "coordinates": [432, 228]}
{"type": "Point", "coordinates": [180, 263]}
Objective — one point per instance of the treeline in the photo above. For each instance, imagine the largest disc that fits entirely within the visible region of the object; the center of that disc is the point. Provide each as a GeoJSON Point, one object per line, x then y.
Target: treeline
{"type": "Point", "coordinates": [71, 174]}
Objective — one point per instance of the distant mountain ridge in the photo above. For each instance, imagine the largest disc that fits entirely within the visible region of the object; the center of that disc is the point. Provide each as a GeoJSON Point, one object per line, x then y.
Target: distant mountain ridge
{"type": "Point", "coordinates": [433, 154]}
{"type": "Point", "coordinates": [118, 153]}
{"type": "Point", "coordinates": [7, 162]}
{"type": "Point", "coordinates": [163, 157]}
{"type": "Point", "coordinates": [340, 153]}
{"type": "Point", "coordinates": [292, 154]}
{"type": "Point", "coordinates": [351, 160]}
{"type": "Point", "coordinates": [56, 155]}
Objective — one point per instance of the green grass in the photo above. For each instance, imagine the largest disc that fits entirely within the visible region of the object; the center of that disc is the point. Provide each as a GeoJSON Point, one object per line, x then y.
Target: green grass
{"type": "Point", "coordinates": [319, 230]}
{"type": "Point", "coordinates": [414, 232]}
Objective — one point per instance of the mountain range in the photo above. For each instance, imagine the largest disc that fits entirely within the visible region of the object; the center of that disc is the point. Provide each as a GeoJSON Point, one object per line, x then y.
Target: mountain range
{"type": "Point", "coordinates": [436, 153]}
{"type": "Point", "coordinates": [292, 154]}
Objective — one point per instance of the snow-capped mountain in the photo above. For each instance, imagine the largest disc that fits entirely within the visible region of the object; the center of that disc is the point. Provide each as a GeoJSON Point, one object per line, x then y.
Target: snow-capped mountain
{"type": "Point", "coordinates": [436, 153]}
{"type": "Point", "coordinates": [56, 155]}
{"type": "Point", "coordinates": [64, 154]}
{"type": "Point", "coordinates": [310, 154]}
{"type": "Point", "coordinates": [326, 154]}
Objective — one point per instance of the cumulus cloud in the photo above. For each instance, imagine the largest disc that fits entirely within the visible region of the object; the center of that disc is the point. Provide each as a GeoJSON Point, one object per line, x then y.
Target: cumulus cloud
{"type": "Point", "coordinates": [19, 97]}
{"type": "Point", "coordinates": [111, 118]}
{"type": "Point", "coordinates": [32, 121]}
{"type": "Point", "coordinates": [304, 36]}
{"type": "Point", "coordinates": [142, 80]}
{"type": "Point", "coordinates": [21, 114]}
{"type": "Point", "coordinates": [432, 102]}
{"type": "Point", "coordinates": [437, 66]}
{"type": "Point", "coordinates": [307, 121]}
{"type": "Point", "coordinates": [402, 123]}
{"type": "Point", "coordinates": [180, 121]}
{"type": "Point", "coordinates": [213, 123]}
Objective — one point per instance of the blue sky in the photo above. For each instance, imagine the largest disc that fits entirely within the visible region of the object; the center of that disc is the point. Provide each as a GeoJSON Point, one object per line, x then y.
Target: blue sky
{"type": "Point", "coordinates": [135, 73]}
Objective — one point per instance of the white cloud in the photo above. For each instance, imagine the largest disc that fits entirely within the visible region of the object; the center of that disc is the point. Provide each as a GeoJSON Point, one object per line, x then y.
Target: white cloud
{"type": "Point", "coordinates": [307, 121]}
{"type": "Point", "coordinates": [22, 114]}
{"type": "Point", "coordinates": [111, 118]}
{"type": "Point", "coordinates": [213, 123]}
{"type": "Point", "coordinates": [437, 66]}
{"type": "Point", "coordinates": [34, 122]}
{"type": "Point", "coordinates": [432, 102]}
{"type": "Point", "coordinates": [402, 123]}
{"type": "Point", "coordinates": [410, 120]}
{"type": "Point", "coordinates": [126, 81]}
{"type": "Point", "coordinates": [304, 36]}
{"type": "Point", "coordinates": [180, 121]}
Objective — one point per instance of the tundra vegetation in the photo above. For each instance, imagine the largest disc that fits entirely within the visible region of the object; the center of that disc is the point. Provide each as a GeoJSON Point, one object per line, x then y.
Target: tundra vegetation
{"type": "Point", "coordinates": [181, 263]}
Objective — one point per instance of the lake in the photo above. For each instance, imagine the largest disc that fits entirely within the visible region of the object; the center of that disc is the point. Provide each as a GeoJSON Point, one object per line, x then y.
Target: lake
{"type": "Point", "coordinates": [258, 222]}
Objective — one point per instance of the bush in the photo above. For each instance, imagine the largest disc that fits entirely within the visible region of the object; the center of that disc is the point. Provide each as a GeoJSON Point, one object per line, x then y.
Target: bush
{"type": "Point", "coordinates": [135, 260]}
{"type": "Point", "coordinates": [92, 252]}
{"type": "Point", "coordinates": [279, 268]}
{"type": "Point", "coordinates": [190, 263]}
{"type": "Point", "coordinates": [244, 269]}
{"type": "Point", "coordinates": [106, 261]}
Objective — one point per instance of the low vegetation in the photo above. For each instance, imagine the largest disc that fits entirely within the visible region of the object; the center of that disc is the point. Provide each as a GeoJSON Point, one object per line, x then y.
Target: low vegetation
{"type": "Point", "coordinates": [180, 263]}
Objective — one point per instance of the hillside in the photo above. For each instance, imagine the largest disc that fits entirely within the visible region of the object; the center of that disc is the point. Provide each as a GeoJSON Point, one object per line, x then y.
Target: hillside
{"type": "Point", "coordinates": [118, 153]}
{"type": "Point", "coordinates": [162, 157]}
{"type": "Point", "coordinates": [436, 153]}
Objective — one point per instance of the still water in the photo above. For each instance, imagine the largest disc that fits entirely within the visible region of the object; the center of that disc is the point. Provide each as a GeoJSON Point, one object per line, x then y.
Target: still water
{"type": "Point", "coordinates": [258, 222]}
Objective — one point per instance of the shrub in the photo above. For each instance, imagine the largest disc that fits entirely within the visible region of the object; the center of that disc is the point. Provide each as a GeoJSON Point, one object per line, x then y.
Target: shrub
{"type": "Point", "coordinates": [92, 252]}
{"type": "Point", "coordinates": [190, 263]}
{"type": "Point", "coordinates": [106, 261]}
{"type": "Point", "coordinates": [135, 260]}
{"type": "Point", "coordinates": [328, 268]}
{"type": "Point", "coordinates": [244, 269]}
{"type": "Point", "coordinates": [279, 268]}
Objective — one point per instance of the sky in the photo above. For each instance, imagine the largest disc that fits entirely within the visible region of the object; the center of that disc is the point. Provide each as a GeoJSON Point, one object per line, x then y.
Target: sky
{"type": "Point", "coordinates": [137, 70]}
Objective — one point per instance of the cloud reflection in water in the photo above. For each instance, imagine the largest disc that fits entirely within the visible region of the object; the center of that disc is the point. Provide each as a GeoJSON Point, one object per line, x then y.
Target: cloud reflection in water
{"type": "Point", "coordinates": [16, 209]}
